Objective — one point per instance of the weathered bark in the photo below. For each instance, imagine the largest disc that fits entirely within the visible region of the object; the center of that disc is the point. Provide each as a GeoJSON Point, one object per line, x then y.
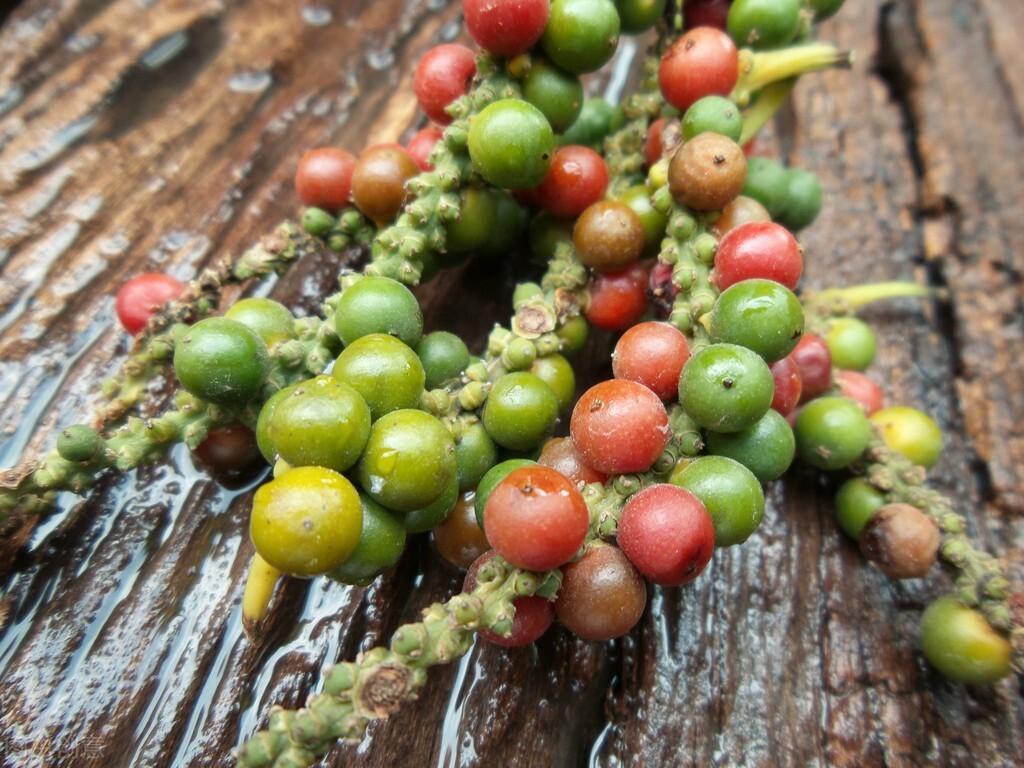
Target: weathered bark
{"type": "Point", "coordinates": [122, 642]}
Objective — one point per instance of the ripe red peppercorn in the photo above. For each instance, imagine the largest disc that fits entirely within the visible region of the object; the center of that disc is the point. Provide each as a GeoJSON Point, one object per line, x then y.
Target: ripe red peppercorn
{"type": "Point", "coordinates": [141, 297]}
{"type": "Point", "coordinates": [442, 75]}
{"type": "Point", "coordinates": [378, 182]}
{"type": "Point", "coordinates": [667, 533]}
{"type": "Point", "coordinates": [705, 13]}
{"type": "Point", "coordinates": [701, 63]}
{"type": "Point", "coordinates": [576, 178]}
{"type": "Point", "coordinates": [619, 426]}
{"type": "Point", "coordinates": [602, 595]}
{"type": "Point", "coordinates": [652, 354]}
{"type": "Point", "coordinates": [422, 144]}
{"type": "Point", "coordinates": [324, 178]}
{"type": "Point", "coordinates": [533, 614]}
{"type": "Point", "coordinates": [561, 455]}
{"type": "Point", "coordinates": [652, 143]}
{"type": "Point", "coordinates": [862, 390]}
{"type": "Point", "coordinates": [535, 518]}
{"type": "Point", "coordinates": [758, 249]}
{"type": "Point", "coordinates": [506, 27]}
{"type": "Point", "coordinates": [617, 299]}
{"type": "Point", "coordinates": [788, 385]}
{"type": "Point", "coordinates": [814, 362]}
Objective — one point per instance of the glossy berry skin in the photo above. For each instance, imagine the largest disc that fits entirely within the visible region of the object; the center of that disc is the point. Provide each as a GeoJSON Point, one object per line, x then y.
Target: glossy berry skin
{"type": "Point", "coordinates": [814, 361]}
{"type": "Point", "coordinates": [763, 24]}
{"type": "Point", "coordinates": [459, 538]}
{"type": "Point", "coordinates": [263, 440]}
{"type": "Point", "coordinates": [802, 199]}
{"type": "Point", "coordinates": [652, 354]}
{"type": "Point", "coordinates": [270, 319]}
{"type": "Point", "coordinates": [558, 94]}
{"type": "Point", "coordinates": [729, 491]}
{"type": "Point", "coordinates": [667, 533]}
{"type": "Point", "coordinates": [581, 35]}
{"type": "Point", "coordinates": [380, 546]}
{"type": "Point", "coordinates": [378, 305]}
{"type": "Point", "coordinates": [534, 615]}
{"type": "Point", "coordinates": [617, 299]}
{"type": "Point", "coordinates": [761, 315]}
{"type": "Point", "coordinates": [762, 250]}
{"type": "Point", "coordinates": [573, 334]}
{"type": "Point", "coordinates": [639, 15]}
{"type": "Point", "coordinates": [409, 460]}
{"type": "Point", "coordinates": [555, 371]}
{"type": "Point", "coordinates": [742, 210]}
{"type": "Point", "coordinates": [705, 13]}
{"type": "Point", "coordinates": [576, 179]}
{"type": "Point", "coordinates": [766, 449]}
{"type": "Point", "coordinates": [386, 372]}
{"type": "Point", "coordinates": [596, 120]}
{"type": "Point", "coordinates": [378, 181]}
{"type": "Point", "coordinates": [788, 385]}
{"type": "Point", "coordinates": [654, 221]}
{"type": "Point", "coordinates": [536, 519]}
{"type": "Point", "coordinates": [142, 297]}
{"type": "Point", "coordinates": [831, 432]}
{"type": "Point", "coordinates": [856, 503]}
{"type": "Point", "coordinates": [229, 451]}
{"type": "Point", "coordinates": [221, 360]}
{"type": "Point", "coordinates": [520, 411]}
{"type": "Point", "coordinates": [561, 455]}
{"type": "Point", "coordinates": [707, 172]}
{"type": "Point", "coordinates": [861, 390]}
{"type": "Point", "coordinates": [442, 75]}
{"type": "Point", "coordinates": [910, 432]}
{"type": "Point", "coordinates": [478, 213]}
{"type": "Point", "coordinates": [602, 595]}
{"type": "Point", "coordinates": [608, 236]}
{"type": "Point", "coordinates": [422, 144]}
{"type": "Point", "coordinates": [619, 426]}
{"type": "Point", "coordinates": [307, 521]}
{"type": "Point", "coordinates": [324, 178]}
{"type": "Point", "coordinates": [962, 645]}
{"type": "Point", "coordinates": [766, 183]}
{"type": "Point", "coordinates": [506, 27]}
{"type": "Point", "coordinates": [511, 144]}
{"type": "Point", "coordinates": [703, 62]}
{"type": "Point", "coordinates": [427, 518]}
{"type": "Point", "coordinates": [443, 355]}
{"type": "Point", "coordinates": [652, 143]}
{"type": "Point", "coordinates": [475, 454]}
{"type": "Point", "coordinates": [851, 342]}
{"type": "Point", "coordinates": [321, 422]}
{"type": "Point", "coordinates": [715, 114]}
{"type": "Point", "coordinates": [490, 481]}
{"type": "Point", "coordinates": [725, 387]}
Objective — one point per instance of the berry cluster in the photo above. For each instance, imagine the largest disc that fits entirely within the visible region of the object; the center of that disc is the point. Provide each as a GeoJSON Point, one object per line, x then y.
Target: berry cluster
{"type": "Point", "coordinates": [656, 219]}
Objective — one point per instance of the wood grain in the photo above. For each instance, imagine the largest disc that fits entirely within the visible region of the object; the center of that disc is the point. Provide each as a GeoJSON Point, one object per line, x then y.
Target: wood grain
{"type": "Point", "coordinates": [137, 135]}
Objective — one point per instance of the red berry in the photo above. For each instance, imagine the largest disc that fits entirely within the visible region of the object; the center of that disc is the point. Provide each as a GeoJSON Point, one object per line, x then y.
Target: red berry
{"type": "Point", "coordinates": [701, 63]}
{"type": "Point", "coordinates": [602, 595]}
{"type": "Point", "coordinates": [536, 519]}
{"type": "Point", "coordinates": [142, 296]}
{"type": "Point", "coordinates": [814, 362]}
{"type": "Point", "coordinates": [422, 144]}
{"type": "Point", "coordinates": [576, 178]}
{"type": "Point", "coordinates": [705, 13]}
{"type": "Point", "coordinates": [617, 299]}
{"type": "Point", "coordinates": [652, 354]}
{"type": "Point", "coordinates": [442, 75]}
{"type": "Point", "coordinates": [533, 614]}
{"type": "Point", "coordinates": [788, 385]}
{"type": "Point", "coordinates": [660, 282]}
{"type": "Point", "coordinates": [561, 455]}
{"type": "Point", "coordinates": [652, 143]}
{"type": "Point", "coordinates": [758, 249]}
{"type": "Point", "coordinates": [862, 390]}
{"type": "Point", "coordinates": [324, 178]}
{"type": "Point", "coordinates": [667, 533]}
{"type": "Point", "coordinates": [619, 426]}
{"type": "Point", "coordinates": [506, 27]}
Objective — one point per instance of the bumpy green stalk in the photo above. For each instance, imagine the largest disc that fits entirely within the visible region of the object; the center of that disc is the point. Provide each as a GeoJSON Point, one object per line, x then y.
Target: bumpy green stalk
{"type": "Point", "coordinates": [624, 149]}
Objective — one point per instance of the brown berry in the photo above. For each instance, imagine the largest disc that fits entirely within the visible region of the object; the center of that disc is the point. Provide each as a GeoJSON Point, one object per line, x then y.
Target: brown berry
{"type": "Point", "coordinates": [459, 539]}
{"type": "Point", "coordinates": [602, 595]}
{"type": "Point", "coordinates": [378, 182]}
{"type": "Point", "coordinates": [901, 540]}
{"type": "Point", "coordinates": [608, 236]}
{"type": "Point", "coordinates": [707, 172]}
{"type": "Point", "coordinates": [742, 210]}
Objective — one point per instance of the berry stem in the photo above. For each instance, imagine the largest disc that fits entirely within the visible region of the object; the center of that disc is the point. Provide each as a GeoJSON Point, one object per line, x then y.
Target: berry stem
{"type": "Point", "coordinates": [762, 68]}
{"type": "Point", "coordinates": [856, 296]}
{"type": "Point", "coordinates": [769, 101]}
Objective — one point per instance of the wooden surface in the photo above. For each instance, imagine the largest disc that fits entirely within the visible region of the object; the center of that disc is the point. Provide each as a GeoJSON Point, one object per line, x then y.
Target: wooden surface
{"type": "Point", "coordinates": [159, 135]}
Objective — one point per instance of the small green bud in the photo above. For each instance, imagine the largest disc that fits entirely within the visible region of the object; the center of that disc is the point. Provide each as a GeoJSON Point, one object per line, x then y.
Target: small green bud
{"type": "Point", "coordinates": [706, 246]}
{"type": "Point", "coordinates": [79, 443]}
{"type": "Point", "coordinates": [519, 354]}
{"type": "Point", "coordinates": [339, 678]}
{"type": "Point", "coordinates": [524, 292]}
{"type": "Point", "coordinates": [472, 395]}
{"type": "Point", "coordinates": [317, 221]}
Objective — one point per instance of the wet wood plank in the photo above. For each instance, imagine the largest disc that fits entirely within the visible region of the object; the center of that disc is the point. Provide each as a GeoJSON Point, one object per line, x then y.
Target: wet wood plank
{"type": "Point", "coordinates": [137, 136]}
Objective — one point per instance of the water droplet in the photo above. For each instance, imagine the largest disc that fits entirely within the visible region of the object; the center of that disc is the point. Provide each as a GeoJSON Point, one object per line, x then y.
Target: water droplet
{"type": "Point", "coordinates": [115, 244]}
{"type": "Point", "coordinates": [164, 50]}
{"type": "Point", "coordinates": [316, 15]}
{"type": "Point", "coordinates": [252, 81]}
{"type": "Point", "coordinates": [81, 43]}
{"type": "Point", "coordinates": [86, 210]}
{"type": "Point", "coordinates": [386, 462]}
{"type": "Point", "coordinates": [10, 98]}
{"type": "Point", "coordinates": [380, 60]}
{"type": "Point", "coordinates": [59, 141]}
